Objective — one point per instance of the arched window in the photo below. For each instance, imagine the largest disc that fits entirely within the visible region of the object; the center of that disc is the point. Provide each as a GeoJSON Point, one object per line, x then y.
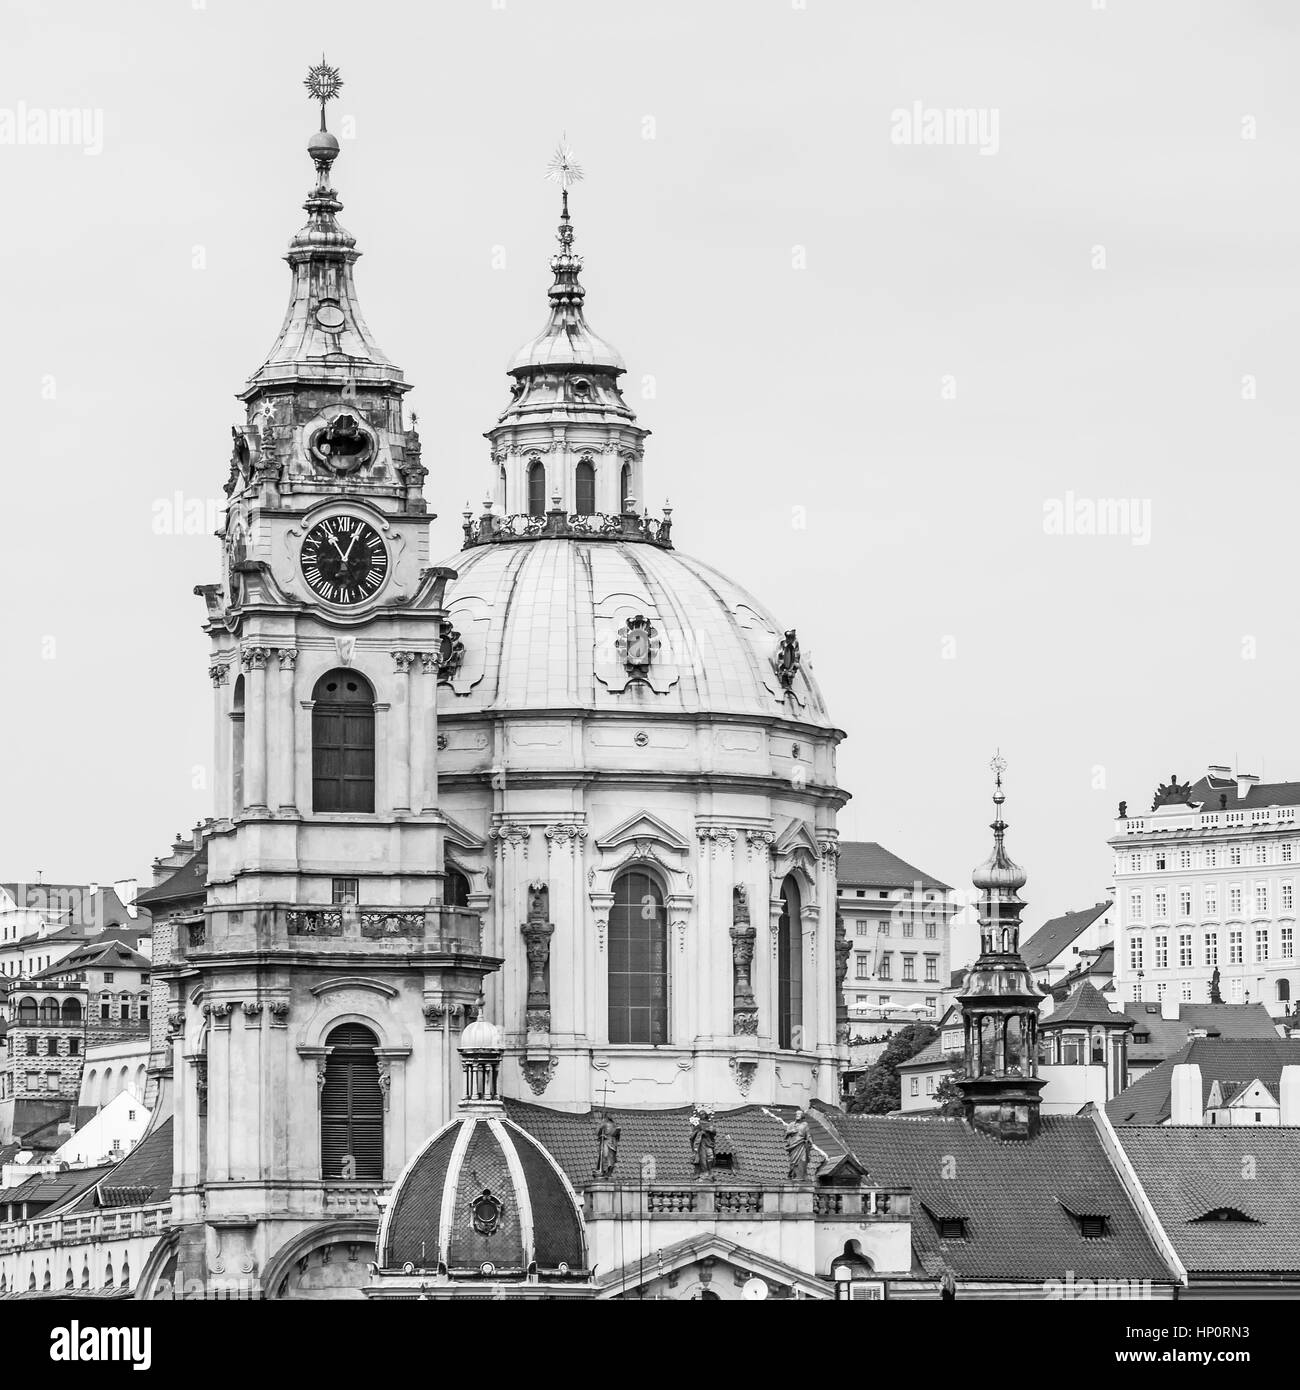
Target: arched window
{"type": "Point", "coordinates": [585, 488]}
{"type": "Point", "coordinates": [352, 1106]}
{"type": "Point", "coordinates": [455, 889]}
{"type": "Point", "coordinates": [789, 965]}
{"type": "Point", "coordinates": [49, 1010]}
{"type": "Point", "coordinates": [237, 746]}
{"type": "Point", "coordinates": [126, 1273]}
{"type": "Point", "coordinates": [108, 1275]}
{"type": "Point", "coordinates": [27, 1010]}
{"type": "Point", "coordinates": [536, 488]}
{"type": "Point", "coordinates": [624, 486]}
{"type": "Point", "coordinates": [343, 743]}
{"type": "Point", "coordinates": [638, 961]}
{"type": "Point", "coordinates": [72, 1011]}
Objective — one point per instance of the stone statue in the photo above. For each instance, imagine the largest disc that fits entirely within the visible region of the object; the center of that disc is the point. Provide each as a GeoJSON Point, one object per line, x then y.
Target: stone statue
{"type": "Point", "coordinates": [607, 1135]}
{"type": "Point", "coordinates": [539, 905]}
{"type": "Point", "coordinates": [798, 1147]}
{"type": "Point", "coordinates": [704, 1135]}
{"type": "Point", "coordinates": [1123, 810]}
{"type": "Point", "coordinates": [1172, 793]}
{"type": "Point", "coordinates": [1215, 996]}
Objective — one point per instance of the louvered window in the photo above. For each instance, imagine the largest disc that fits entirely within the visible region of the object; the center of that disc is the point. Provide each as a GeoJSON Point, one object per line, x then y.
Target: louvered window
{"type": "Point", "coordinates": [536, 488]}
{"type": "Point", "coordinates": [585, 488]}
{"type": "Point", "coordinates": [352, 1107]}
{"type": "Point", "coordinates": [343, 743]}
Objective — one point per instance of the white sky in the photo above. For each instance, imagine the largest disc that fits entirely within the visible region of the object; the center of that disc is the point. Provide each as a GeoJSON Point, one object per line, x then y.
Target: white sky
{"type": "Point", "coordinates": [777, 388]}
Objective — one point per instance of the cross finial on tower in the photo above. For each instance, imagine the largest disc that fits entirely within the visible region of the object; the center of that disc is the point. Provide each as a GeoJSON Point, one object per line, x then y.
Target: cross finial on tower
{"type": "Point", "coordinates": [565, 171]}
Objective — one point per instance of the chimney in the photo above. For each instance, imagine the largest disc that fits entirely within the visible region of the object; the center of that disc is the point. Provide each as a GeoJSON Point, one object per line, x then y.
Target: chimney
{"type": "Point", "coordinates": [1289, 1095]}
{"type": "Point", "coordinates": [1246, 780]}
{"type": "Point", "coordinates": [1216, 773]}
{"type": "Point", "coordinates": [1169, 1009]}
{"type": "Point", "coordinates": [1185, 1095]}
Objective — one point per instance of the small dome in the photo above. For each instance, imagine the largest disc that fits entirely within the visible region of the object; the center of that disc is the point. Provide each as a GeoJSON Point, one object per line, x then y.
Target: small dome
{"type": "Point", "coordinates": [481, 1036]}
{"type": "Point", "coordinates": [483, 1199]}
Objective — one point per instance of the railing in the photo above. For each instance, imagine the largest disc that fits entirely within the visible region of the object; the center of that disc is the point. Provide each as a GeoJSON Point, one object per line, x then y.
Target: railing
{"type": "Point", "coordinates": [363, 1199]}
{"type": "Point", "coordinates": [737, 1203]}
{"type": "Point", "coordinates": [663, 1200]}
{"type": "Point", "coordinates": [616, 526]}
{"type": "Point", "coordinates": [433, 929]}
{"type": "Point", "coordinates": [107, 1224]}
{"type": "Point", "coordinates": [856, 1202]}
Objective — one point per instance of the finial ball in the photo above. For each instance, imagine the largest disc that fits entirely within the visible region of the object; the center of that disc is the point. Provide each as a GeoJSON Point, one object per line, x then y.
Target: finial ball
{"type": "Point", "coordinates": [323, 146]}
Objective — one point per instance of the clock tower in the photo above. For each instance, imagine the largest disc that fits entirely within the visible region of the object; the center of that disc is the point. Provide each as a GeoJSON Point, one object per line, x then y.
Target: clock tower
{"type": "Point", "coordinates": [316, 1008]}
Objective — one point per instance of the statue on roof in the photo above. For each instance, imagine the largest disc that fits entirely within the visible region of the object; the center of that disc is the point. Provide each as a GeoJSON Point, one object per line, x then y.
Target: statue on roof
{"type": "Point", "coordinates": [607, 1136]}
{"type": "Point", "coordinates": [704, 1134]}
{"type": "Point", "coordinates": [1216, 996]}
{"type": "Point", "coordinates": [798, 1147]}
{"type": "Point", "coordinates": [1172, 793]}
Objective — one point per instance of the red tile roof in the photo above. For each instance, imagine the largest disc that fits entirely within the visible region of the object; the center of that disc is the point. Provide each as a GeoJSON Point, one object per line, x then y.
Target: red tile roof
{"type": "Point", "coordinates": [865, 864]}
{"type": "Point", "coordinates": [1190, 1171]}
{"type": "Point", "coordinates": [1239, 1060]}
{"type": "Point", "coordinates": [189, 881]}
{"type": "Point", "coordinates": [1053, 937]}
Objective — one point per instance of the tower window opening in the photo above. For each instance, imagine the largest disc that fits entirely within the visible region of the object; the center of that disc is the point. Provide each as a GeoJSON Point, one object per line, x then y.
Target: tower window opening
{"type": "Point", "coordinates": [624, 486]}
{"type": "Point", "coordinates": [585, 488]}
{"type": "Point", "coordinates": [352, 1106]}
{"type": "Point", "coordinates": [343, 743]}
{"type": "Point", "coordinates": [789, 956]}
{"type": "Point", "coordinates": [536, 488]}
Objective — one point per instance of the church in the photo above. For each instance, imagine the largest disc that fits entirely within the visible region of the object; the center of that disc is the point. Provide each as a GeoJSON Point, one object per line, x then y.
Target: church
{"type": "Point", "coordinates": [509, 964]}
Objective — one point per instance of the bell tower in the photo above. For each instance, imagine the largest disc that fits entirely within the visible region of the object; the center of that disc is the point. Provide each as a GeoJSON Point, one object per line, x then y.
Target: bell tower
{"type": "Point", "coordinates": [315, 1012]}
{"type": "Point", "coordinates": [1000, 1001]}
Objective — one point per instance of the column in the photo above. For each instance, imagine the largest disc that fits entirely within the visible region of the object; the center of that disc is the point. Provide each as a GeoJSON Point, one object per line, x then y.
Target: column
{"type": "Point", "coordinates": [424, 735]}
{"type": "Point", "coordinates": [287, 744]}
{"type": "Point", "coordinates": [221, 770]}
{"type": "Point", "coordinates": [253, 662]}
{"type": "Point", "coordinates": [399, 743]}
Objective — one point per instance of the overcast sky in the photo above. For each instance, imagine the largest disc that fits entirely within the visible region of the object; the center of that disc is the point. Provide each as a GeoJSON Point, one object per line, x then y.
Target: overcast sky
{"type": "Point", "coordinates": [927, 354]}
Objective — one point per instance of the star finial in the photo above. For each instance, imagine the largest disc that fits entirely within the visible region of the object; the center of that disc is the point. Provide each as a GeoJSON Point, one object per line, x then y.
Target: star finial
{"type": "Point", "coordinates": [998, 765]}
{"type": "Point", "coordinates": [563, 169]}
{"type": "Point", "coordinates": [324, 84]}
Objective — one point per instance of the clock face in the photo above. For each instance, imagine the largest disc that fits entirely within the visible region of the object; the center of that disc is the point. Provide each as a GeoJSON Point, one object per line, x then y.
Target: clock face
{"type": "Point", "coordinates": [344, 560]}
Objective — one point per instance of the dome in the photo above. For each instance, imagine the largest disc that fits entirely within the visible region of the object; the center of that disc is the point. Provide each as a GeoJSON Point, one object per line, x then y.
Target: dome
{"type": "Point", "coordinates": [481, 1036]}
{"type": "Point", "coordinates": [540, 621]}
{"type": "Point", "coordinates": [566, 341]}
{"type": "Point", "coordinates": [483, 1199]}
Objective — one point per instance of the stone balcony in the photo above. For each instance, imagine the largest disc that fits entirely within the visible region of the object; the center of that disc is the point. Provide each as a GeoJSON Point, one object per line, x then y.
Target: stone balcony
{"type": "Point", "coordinates": [593, 526]}
{"type": "Point", "coordinates": [346, 929]}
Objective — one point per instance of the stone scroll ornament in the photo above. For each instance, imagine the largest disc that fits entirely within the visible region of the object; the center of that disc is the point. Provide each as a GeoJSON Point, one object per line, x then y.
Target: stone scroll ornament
{"type": "Point", "coordinates": [451, 653]}
{"type": "Point", "coordinates": [787, 660]}
{"type": "Point", "coordinates": [744, 1008]}
{"type": "Point", "coordinates": [637, 644]}
{"type": "Point", "coordinates": [537, 932]}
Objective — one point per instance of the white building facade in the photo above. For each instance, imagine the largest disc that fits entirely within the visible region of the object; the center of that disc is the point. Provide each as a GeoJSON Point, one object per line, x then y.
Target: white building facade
{"type": "Point", "coordinates": [1205, 882]}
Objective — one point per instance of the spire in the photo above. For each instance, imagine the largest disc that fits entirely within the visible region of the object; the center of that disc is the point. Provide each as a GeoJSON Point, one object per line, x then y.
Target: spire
{"type": "Point", "coordinates": [1000, 1001]}
{"type": "Point", "coordinates": [566, 341]}
{"type": "Point", "coordinates": [324, 338]}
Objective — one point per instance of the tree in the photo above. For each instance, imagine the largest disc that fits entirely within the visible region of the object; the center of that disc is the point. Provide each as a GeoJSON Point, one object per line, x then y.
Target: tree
{"type": "Point", "coordinates": [877, 1091]}
{"type": "Point", "coordinates": [947, 1090]}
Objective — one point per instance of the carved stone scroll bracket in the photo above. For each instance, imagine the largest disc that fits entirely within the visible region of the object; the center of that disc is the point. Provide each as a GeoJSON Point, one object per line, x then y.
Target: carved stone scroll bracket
{"type": "Point", "coordinates": [538, 1073]}
{"type": "Point", "coordinates": [743, 1069]}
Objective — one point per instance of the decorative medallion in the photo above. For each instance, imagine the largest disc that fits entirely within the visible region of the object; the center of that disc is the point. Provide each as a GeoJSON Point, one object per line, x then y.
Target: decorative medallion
{"type": "Point", "coordinates": [451, 654]}
{"type": "Point", "coordinates": [485, 1212]}
{"type": "Point", "coordinates": [637, 644]}
{"type": "Point", "coordinates": [787, 660]}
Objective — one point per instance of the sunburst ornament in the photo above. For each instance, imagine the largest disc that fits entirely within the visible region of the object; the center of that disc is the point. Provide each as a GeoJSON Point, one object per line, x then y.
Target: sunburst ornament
{"type": "Point", "coordinates": [323, 82]}
{"type": "Point", "coordinates": [562, 169]}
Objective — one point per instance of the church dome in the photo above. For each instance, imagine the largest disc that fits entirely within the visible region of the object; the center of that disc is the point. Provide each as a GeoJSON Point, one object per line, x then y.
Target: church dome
{"type": "Point", "coordinates": [481, 1036]}
{"type": "Point", "coordinates": [541, 620]}
{"type": "Point", "coordinates": [483, 1200]}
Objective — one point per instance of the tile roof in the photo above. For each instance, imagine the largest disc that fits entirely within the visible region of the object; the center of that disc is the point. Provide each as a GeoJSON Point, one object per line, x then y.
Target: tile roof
{"type": "Point", "coordinates": [189, 881]}
{"type": "Point", "coordinates": [1053, 937]}
{"type": "Point", "coordinates": [143, 1177]}
{"type": "Point", "coordinates": [98, 954]}
{"type": "Point", "coordinates": [865, 864]}
{"type": "Point", "coordinates": [1168, 1036]}
{"type": "Point", "coordinates": [53, 1189]}
{"type": "Point", "coordinates": [1207, 791]}
{"type": "Point", "coordinates": [931, 1055]}
{"type": "Point", "coordinates": [1010, 1193]}
{"type": "Point", "coordinates": [1239, 1060]}
{"type": "Point", "coordinates": [1085, 1005]}
{"type": "Point", "coordinates": [1189, 1171]}
{"type": "Point", "coordinates": [1015, 1195]}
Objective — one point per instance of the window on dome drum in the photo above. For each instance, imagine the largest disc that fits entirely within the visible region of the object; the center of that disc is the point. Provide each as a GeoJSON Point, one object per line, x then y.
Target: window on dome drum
{"type": "Point", "coordinates": [455, 889]}
{"type": "Point", "coordinates": [237, 746]}
{"type": "Point", "coordinates": [789, 965]}
{"type": "Point", "coordinates": [343, 743]}
{"type": "Point", "coordinates": [638, 961]}
{"type": "Point", "coordinates": [536, 488]}
{"type": "Point", "coordinates": [352, 1106]}
{"type": "Point", "coordinates": [624, 486]}
{"type": "Point", "coordinates": [584, 490]}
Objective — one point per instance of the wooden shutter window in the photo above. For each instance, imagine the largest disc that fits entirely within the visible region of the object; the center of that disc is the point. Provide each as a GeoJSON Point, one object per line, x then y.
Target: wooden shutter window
{"type": "Point", "coordinates": [352, 1107]}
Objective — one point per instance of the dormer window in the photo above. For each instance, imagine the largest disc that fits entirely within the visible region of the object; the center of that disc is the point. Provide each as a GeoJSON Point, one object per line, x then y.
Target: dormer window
{"type": "Point", "coordinates": [1092, 1227]}
{"type": "Point", "coordinates": [952, 1228]}
{"type": "Point", "coordinates": [1225, 1214]}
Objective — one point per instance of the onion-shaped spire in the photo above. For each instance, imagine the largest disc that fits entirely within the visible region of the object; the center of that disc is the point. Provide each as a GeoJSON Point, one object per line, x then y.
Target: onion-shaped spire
{"type": "Point", "coordinates": [999, 870]}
